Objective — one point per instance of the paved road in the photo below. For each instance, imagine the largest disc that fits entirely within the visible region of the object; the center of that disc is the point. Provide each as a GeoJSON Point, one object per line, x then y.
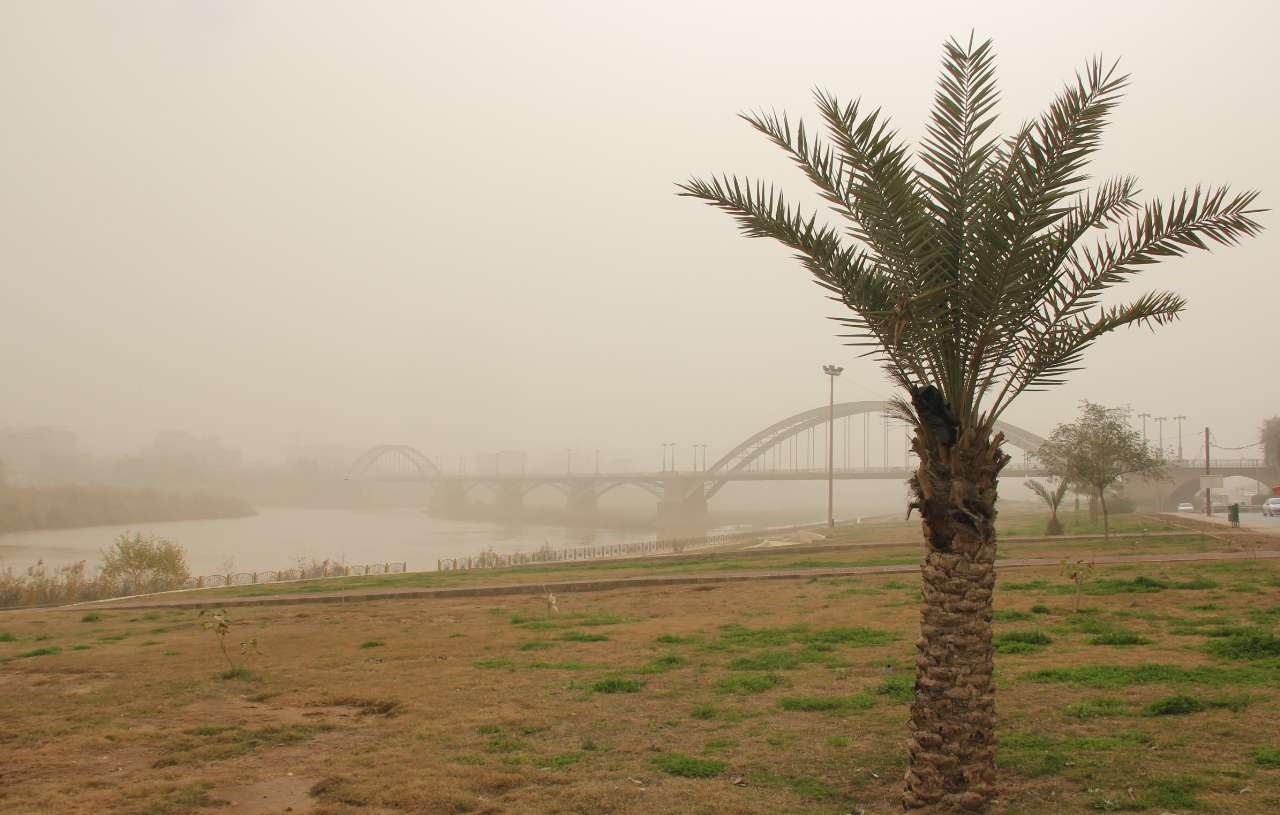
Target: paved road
{"type": "Point", "coordinates": [360, 595]}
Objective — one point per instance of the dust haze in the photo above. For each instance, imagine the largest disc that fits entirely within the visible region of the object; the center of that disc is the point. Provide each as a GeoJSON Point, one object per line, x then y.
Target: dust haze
{"type": "Point", "coordinates": [292, 231]}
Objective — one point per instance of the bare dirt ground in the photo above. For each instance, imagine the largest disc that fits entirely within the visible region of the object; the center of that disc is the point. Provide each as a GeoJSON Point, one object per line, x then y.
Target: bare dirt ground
{"type": "Point", "coordinates": [754, 697]}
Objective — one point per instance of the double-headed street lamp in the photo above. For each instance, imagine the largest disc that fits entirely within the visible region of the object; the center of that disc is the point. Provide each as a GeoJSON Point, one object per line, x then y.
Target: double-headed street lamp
{"type": "Point", "coordinates": [832, 371]}
{"type": "Point", "coordinates": [1144, 417]}
{"type": "Point", "coordinates": [1160, 420]}
{"type": "Point", "coordinates": [1179, 419]}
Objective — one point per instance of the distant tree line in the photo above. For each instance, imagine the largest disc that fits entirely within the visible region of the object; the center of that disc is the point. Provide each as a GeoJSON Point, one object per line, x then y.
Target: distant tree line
{"type": "Point", "coordinates": [63, 507]}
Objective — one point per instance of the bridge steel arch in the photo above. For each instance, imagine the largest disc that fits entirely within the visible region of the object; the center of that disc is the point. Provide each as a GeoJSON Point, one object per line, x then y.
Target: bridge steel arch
{"type": "Point", "coordinates": [426, 467]}
{"type": "Point", "coordinates": [741, 457]}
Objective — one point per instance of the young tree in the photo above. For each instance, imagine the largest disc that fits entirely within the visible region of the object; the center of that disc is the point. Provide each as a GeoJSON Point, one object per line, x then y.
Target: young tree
{"type": "Point", "coordinates": [1052, 497]}
{"type": "Point", "coordinates": [1096, 450]}
{"type": "Point", "coordinates": [973, 269]}
{"type": "Point", "coordinates": [145, 563]}
{"type": "Point", "coordinates": [1269, 435]}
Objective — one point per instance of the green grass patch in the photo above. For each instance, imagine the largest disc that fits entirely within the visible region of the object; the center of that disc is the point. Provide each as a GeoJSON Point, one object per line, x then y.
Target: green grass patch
{"type": "Point", "coordinates": [241, 673]}
{"type": "Point", "coordinates": [91, 617]}
{"type": "Point", "coordinates": [827, 704]}
{"type": "Point", "coordinates": [679, 764]}
{"type": "Point", "coordinates": [704, 712]}
{"type": "Point", "coordinates": [617, 685]}
{"type": "Point", "coordinates": [1173, 793]}
{"type": "Point", "coordinates": [562, 760]}
{"type": "Point", "coordinates": [673, 639]}
{"type": "Point", "coordinates": [1179, 705]}
{"type": "Point", "coordinates": [1268, 757]}
{"type": "Point", "coordinates": [1123, 676]}
{"type": "Point", "coordinates": [898, 688]}
{"type": "Point", "coordinates": [493, 664]}
{"type": "Point", "coordinates": [853, 637]}
{"type": "Point", "coordinates": [1248, 644]}
{"type": "Point", "coordinates": [1096, 708]}
{"type": "Point", "coordinates": [1011, 616]}
{"type": "Point", "coordinates": [372, 644]}
{"type": "Point", "coordinates": [749, 683]}
{"type": "Point", "coordinates": [1041, 609]}
{"type": "Point", "coordinates": [1119, 638]}
{"type": "Point", "coordinates": [770, 661]}
{"type": "Point", "coordinates": [114, 637]}
{"type": "Point", "coordinates": [47, 651]}
{"type": "Point", "coordinates": [583, 636]}
{"type": "Point", "coordinates": [5, 636]}
{"type": "Point", "coordinates": [1021, 642]}
{"type": "Point", "coordinates": [536, 645]}
{"type": "Point", "coordinates": [662, 664]}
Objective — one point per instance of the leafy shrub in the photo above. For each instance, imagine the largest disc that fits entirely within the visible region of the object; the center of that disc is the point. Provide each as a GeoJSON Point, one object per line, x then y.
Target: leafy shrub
{"type": "Point", "coordinates": [91, 617]}
{"type": "Point", "coordinates": [1040, 608]}
{"type": "Point", "coordinates": [145, 564]}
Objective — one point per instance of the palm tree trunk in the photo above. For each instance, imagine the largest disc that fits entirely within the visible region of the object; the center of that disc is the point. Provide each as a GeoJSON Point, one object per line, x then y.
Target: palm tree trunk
{"type": "Point", "coordinates": [952, 744]}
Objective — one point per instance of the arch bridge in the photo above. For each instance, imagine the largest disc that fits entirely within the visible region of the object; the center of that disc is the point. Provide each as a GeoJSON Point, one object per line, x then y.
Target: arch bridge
{"type": "Point", "coordinates": [792, 449]}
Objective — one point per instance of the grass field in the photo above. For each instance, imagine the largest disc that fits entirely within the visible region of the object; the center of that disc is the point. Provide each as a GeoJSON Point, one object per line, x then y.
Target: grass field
{"type": "Point", "coordinates": [757, 697]}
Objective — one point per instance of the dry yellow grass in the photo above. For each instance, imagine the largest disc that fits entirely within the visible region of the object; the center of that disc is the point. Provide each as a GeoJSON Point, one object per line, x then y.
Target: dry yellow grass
{"type": "Point", "coordinates": [489, 705]}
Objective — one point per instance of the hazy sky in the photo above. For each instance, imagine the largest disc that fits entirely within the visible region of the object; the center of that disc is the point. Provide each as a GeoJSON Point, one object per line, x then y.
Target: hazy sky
{"type": "Point", "coordinates": [454, 224]}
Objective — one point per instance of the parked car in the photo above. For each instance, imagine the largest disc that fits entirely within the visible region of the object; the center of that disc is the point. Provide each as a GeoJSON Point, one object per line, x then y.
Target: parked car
{"type": "Point", "coordinates": [1186, 506]}
{"type": "Point", "coordinates": [1271, 507]}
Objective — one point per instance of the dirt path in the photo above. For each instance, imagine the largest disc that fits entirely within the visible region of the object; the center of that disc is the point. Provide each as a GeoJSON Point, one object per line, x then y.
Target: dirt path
{"type": "Point", "coordinates": [565, 587]}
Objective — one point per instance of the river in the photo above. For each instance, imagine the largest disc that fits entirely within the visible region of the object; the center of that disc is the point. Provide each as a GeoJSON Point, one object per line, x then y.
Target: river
{"type": "Point", "coordinates": [277, 537]}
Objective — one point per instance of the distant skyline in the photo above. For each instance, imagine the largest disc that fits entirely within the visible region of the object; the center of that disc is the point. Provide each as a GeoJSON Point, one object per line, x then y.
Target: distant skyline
{"type": "Point", "coordinates": [455, 225]}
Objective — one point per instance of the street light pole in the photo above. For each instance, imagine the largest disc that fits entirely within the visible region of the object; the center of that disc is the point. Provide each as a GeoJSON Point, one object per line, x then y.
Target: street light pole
{"type": "Point", "coordinates": [1179, 419]}
{"type": "Point", "coordinates": [1160, 420]}
{"type": "Point", "coordinates": [1144, 417]}
{"type": "Point", "coordinates": [832, 371]}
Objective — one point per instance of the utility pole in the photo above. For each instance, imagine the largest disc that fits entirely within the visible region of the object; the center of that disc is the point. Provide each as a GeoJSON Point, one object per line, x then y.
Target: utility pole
{"type": "Point", "coordinates": [1179, 419]}
{"type": "Point", "coordinates": [1208, 499]}
{"type": "Point", "coordinates": [1144, 417]}
{"type": "Point", "coordinates": [832, 371]}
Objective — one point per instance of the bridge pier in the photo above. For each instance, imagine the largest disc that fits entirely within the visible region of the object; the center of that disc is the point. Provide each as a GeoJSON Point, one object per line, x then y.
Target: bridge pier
{"type": "Point", "coordinates": [682, 511]}
{"type": "Point", "coordinates": [447, 497]}
{"type": "Point", "coordinates": [582, 500]}
{"type": "Point", "coordinates": [510, 498]}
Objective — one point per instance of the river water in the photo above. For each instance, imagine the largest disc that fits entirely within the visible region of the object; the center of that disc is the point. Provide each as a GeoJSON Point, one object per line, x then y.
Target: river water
{"type": "Point", "coordinates": [277, 537]}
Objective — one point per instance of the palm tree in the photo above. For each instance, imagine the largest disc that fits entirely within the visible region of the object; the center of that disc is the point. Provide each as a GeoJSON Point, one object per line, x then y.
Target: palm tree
{"type": "Point", "coordinates": [1052, 497]}
{"type": "Point", "coordinates": [967, 270]}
